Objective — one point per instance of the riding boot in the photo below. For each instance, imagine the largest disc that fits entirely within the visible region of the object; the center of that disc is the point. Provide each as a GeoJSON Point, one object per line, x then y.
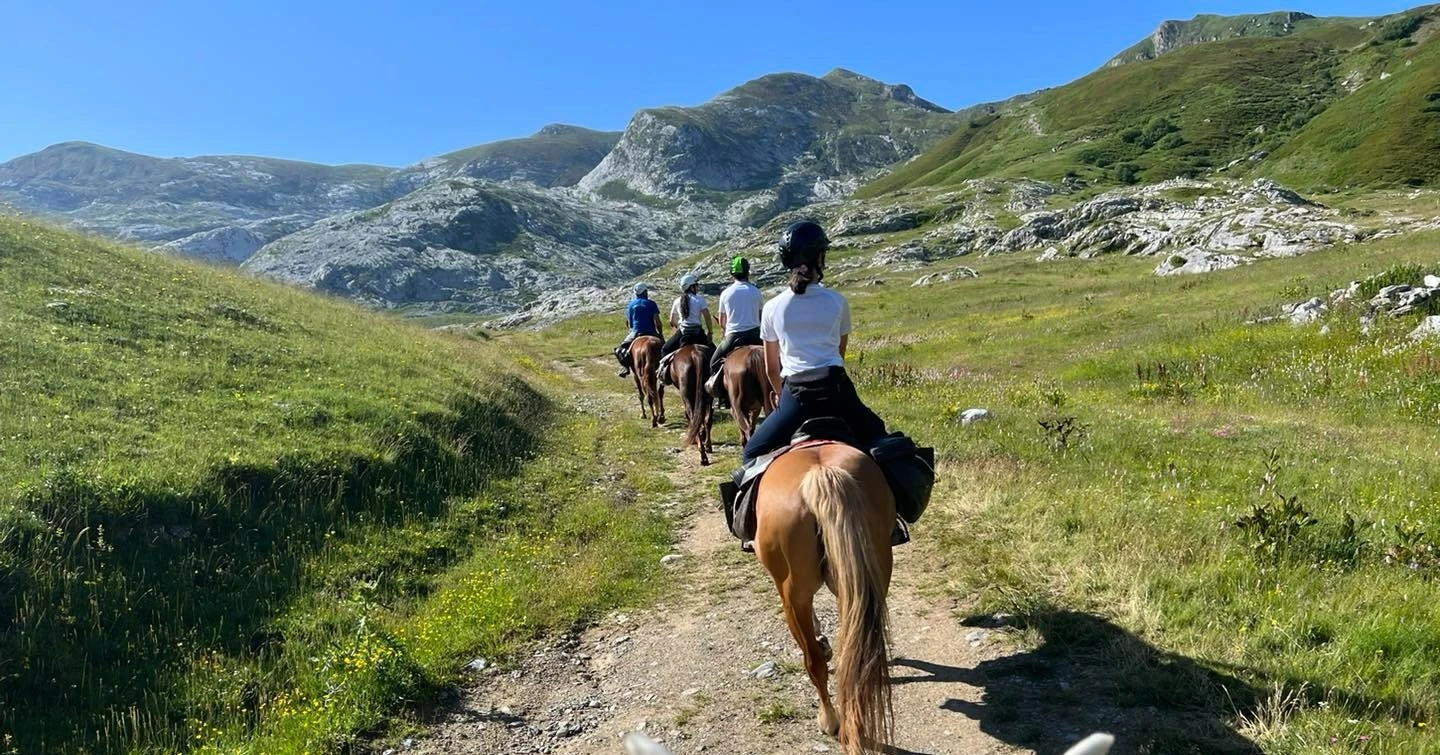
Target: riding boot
{"type": "Point", "coordinates": [623, 358]}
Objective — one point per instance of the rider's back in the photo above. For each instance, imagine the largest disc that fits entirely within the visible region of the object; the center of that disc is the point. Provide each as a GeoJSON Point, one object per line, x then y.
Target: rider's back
{"type": "Point", "coordinates": [808, 328]}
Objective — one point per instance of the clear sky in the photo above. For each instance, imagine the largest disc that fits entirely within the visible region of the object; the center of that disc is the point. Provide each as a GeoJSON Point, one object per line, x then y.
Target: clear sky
{"type": "Point", "coordinates": [395, 82]}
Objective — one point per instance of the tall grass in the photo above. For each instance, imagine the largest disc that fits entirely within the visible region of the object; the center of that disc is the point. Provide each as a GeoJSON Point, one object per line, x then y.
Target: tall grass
{"type": "Point", "coordinates": [224, 505]}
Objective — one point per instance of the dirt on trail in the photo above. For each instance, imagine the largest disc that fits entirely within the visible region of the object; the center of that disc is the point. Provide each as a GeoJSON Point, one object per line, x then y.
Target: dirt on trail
{"type": "Point", "coordinates": [713, 669]}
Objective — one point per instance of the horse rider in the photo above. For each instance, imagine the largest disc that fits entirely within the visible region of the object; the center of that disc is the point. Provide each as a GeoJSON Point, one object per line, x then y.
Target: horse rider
{"type": "Point", "coordinates": [643, 317]}
{"type": "Point", "coordinates": [689, 316]}
{"type": "Point", "coordinates": [739, 320]}
{"type": "Point", "coordinates": [805, 331]}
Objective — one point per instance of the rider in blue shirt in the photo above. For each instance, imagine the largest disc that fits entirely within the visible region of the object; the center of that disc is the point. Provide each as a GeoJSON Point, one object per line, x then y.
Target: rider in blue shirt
{"type": "Point", "coordinates": [643, 318]}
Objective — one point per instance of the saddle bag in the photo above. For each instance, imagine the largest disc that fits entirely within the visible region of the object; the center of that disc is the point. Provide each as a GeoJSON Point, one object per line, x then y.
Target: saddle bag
{"type": "Point", "coordinates": [910, 470]}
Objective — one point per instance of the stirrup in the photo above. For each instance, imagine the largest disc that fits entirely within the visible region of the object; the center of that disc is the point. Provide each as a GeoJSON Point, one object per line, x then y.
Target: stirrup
{"type": "Point", "coordinates": [900, 535]}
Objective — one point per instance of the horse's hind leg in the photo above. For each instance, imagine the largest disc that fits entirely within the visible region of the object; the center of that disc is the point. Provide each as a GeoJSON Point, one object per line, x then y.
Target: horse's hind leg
{"type": "Point", "coordinates": [800, 617]}
{"type": "Point", "coordinates": [640, 391]}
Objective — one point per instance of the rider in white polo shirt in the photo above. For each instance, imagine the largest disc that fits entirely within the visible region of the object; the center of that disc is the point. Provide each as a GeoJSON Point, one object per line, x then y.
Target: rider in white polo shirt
{"type": "Point", "coordinates": [739, 318]}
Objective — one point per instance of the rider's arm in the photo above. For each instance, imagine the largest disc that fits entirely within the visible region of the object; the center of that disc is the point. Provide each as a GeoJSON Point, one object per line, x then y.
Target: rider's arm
{"type": "Point", "coordinates": [772, 364]}
{"type": "Point", "coordinates": [844, 341]}
{"type": "Point", "coordinates": [722, 319]}
{"type": "Point", "coordinates": [709, 321]}
{"type": "Point", "coordinates": [658, 330]}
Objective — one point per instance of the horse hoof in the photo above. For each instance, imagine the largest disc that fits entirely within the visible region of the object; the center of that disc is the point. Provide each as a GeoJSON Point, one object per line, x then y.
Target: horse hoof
{"type": "Point", "coordinates": [829, 725]}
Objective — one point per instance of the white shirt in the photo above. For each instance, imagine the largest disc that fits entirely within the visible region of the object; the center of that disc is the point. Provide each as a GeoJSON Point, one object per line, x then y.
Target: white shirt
{"type": "Point", "coordinates": [808, 328]}
{"type": "Point", "coordinates": [740, 306]}
{"type": "Point", "coordinates": [697, 305]}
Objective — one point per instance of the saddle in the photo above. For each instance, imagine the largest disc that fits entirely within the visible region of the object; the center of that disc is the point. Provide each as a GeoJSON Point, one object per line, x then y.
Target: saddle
{"type": "Point", "coordinates": [909, 469]}
{"type": "Point", "coordinates": [664, 367]}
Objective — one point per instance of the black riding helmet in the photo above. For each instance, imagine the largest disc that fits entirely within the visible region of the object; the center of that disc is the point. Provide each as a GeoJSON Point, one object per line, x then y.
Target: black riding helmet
{"type": "Point", "coordinates": [802, 243]}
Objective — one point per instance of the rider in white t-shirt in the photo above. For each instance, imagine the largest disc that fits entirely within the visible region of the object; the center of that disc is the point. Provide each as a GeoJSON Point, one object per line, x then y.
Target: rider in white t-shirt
{"type": "Point", "coordinates": [806, 330]}
{"type": "Point", "coordinates": [689, 316]}
{"type": "Point", "coordinates": [739, 319]}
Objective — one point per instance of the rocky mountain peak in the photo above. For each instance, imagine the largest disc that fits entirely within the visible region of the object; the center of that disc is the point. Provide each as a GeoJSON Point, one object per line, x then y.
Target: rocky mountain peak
{"type": "Point", "coordinates": [1173, 35]}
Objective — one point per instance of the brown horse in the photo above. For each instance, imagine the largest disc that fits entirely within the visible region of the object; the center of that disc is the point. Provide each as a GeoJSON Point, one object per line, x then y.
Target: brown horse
{"type": "Point", "coordinates": [833, 499]}
{"type": "Point", "coordinates": [687, 372]}
{"type": "Point", "coordinates": [645, 366]}
{"type": "Point", "coordinates": [748, 385]}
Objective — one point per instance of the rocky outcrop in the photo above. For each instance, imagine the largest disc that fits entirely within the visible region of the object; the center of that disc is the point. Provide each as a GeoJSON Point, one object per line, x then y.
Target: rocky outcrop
{"type": "Point", "coordinates": [470, 245]}
{"type": "Point", "coordinates": [785, 135]}
{"type": "Point", "coordinates": [1170, 36]}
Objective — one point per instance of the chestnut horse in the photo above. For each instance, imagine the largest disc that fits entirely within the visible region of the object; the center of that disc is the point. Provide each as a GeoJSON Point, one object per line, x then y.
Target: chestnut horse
{"type": "Point", "coordinates": [645, 366]}
{"type": "Point", "coordinates": [687, 372]}
{"type": "Point", "coordinates": [833, 499]}
{"type": "Point", "coordinates": [748, 385]}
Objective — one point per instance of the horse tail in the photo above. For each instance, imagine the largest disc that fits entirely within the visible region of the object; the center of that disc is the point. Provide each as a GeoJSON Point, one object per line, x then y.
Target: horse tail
{"type": "Point", "coordinates": [862, 668]}
{"type": "Point", "coordinates": [651, 359]}
{"type": "Point", "coordinates": [695, 395]}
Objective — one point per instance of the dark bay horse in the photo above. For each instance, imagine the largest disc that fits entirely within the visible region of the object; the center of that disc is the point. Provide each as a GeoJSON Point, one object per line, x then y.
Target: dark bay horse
{"type": "Point", "coordinates": [645, 366]}
{"type": "Point", "coordinates": [833, 499]}
{"type": "Point", "coordinates": [687, 372]}
{"type": "Point", "coordinates": [748, 385]}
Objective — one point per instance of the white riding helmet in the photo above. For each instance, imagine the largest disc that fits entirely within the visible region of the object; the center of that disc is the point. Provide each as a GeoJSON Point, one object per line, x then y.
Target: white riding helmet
{"type": "Point", "coordinates": [641, 288]}
{"type": "Point", "coordinates": [687, 280]}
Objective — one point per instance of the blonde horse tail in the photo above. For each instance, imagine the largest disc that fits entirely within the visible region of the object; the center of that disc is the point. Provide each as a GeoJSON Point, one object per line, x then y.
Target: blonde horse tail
{"type": "Point", "coordinates": [862, 668]}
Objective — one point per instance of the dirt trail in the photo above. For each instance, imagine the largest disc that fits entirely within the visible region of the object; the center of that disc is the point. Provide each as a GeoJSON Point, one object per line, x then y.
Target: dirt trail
{"type": "Point", "coordinates": [681, 670]}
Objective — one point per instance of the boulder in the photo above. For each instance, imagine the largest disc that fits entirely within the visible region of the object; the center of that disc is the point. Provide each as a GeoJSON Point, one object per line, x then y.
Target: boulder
{"type": "Point", "coordinates": [1427, 329]}
{"type": "Point", "coordinates": [1193, 261]}
{"type": "Point", "coordinates": [1306, 311]}
{"type": "Point", "coordinates": [972, 416]}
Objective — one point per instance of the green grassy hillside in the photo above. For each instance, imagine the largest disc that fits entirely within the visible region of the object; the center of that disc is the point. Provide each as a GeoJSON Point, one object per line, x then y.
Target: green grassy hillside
{"type": "Point", "coordinates": [1312, 99]}
{"type": "Point", "coordinates": [239, 517]}
{"type": "Point", "coordinates": [1256, 504]}
{"type": "Point", "coordinates": [1386, 132]}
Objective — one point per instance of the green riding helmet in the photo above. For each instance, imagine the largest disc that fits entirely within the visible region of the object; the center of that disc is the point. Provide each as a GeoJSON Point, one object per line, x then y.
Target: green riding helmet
{"type": "Point", "coordinates": [739, 265]}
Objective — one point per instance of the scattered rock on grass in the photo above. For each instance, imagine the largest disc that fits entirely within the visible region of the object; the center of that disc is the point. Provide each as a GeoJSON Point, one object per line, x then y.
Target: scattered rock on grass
{"type": "Point", "coordinates": [1428, 329]}
{"type": "Point", "coordinates": [766, 670]}
{"type": "Point", "coordinates": [670, 559]}
{"type": "Point", "coordinates": [971, 416]}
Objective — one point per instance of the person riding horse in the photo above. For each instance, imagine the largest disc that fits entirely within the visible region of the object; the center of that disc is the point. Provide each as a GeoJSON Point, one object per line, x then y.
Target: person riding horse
{"type": "Point", "coordinates": [643, 318]}
{"type": "Point", "coordinates": [739, 319]}
{"type": "Point", "coordinates": [806, 330]}
{"type": "Point", "coordinates": [690, 318]}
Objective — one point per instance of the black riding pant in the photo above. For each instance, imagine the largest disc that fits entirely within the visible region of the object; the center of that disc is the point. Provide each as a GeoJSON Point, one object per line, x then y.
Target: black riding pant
{"type": "Point", "coordinates": [819, 393]}
{"type": "Point", "coordinates": [731, 342]}
{"type": "Point", "coordinates": [685, 335]}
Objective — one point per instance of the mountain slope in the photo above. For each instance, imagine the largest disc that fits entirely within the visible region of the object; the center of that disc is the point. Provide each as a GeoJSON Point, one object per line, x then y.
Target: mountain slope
{"type": "Point", "coordinates": [1200, 106]}
{"type": "Point", "coordinates": [773, 143]}
{"type": "Point", "coordinates": [1387, 131]}
{"type": "Point", "coordinates": [465, 244]}
{"type": "Point", "coordinates": [1175, 35]}
{"type": "Point", "coordinates": [135, 197]}
{"type": "Point", "coordinates": [556, 155]}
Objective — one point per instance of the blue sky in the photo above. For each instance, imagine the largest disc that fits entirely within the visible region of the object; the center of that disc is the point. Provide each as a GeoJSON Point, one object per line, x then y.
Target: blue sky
{"type": "Point", "coordinates": [395, 82]}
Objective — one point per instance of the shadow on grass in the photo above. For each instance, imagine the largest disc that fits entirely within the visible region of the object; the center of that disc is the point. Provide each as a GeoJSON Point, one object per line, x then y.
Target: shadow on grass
{"type": "Point", "coordinates": [111, 597]}
{"type": "Point", "coordinates": [1090, 675]}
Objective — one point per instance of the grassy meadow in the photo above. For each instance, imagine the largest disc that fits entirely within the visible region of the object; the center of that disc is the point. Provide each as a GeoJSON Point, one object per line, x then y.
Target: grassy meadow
{"type": "Point", "coordinates": [235, 517]}
{"type": "Point", "coordinates": [1256, 503]}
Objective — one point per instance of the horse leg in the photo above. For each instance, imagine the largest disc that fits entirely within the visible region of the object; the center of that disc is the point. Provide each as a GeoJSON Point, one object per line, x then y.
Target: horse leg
{"type": "Point", "coordinates": [824, 641]}
{"type": "Point", "coordinates": [800, 617]}
{"type": "Point", "coordinates": [639, 392]}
